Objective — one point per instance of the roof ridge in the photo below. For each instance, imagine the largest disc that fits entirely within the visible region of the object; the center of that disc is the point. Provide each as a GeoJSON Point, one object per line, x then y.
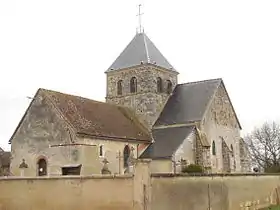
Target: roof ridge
{"type": "Point", "coordinates": [146, 48]}
{"type": "Point", "coordinates": [100, 102]}
{"type": "Point", "coordinates": [72, 95]}
{"type": "Point", "coordinates": [201, 81]}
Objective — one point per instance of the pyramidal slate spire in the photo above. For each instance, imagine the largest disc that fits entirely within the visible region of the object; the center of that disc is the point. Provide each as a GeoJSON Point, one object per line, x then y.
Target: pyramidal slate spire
{"type": "Point", "coordinates": [141, 50]}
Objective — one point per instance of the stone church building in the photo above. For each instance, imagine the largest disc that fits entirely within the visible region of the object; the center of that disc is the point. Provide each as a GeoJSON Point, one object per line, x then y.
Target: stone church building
{"type": "Point", "coordinates": [146, 115]}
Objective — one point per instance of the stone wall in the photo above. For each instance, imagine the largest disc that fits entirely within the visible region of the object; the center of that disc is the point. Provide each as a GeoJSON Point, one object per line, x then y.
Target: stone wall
{"type": "Point", "coordinates": [226, 158]}
{"type": "Point", "coordinates": [162, 166]}
{"type": "Point", "coordinates": [141, 191]}
{"type": "Point", "coordinates": [215, 193]}
{"type": "Point", "coordinates": [221, 124]}
{"type": "Point", "coordinates": [120, 192]}
{"type": "Point", "coordinates": [113, 151]}
{"type": "Point", "coordinates": [67, 193]}
{"type": "Point", "coordinates": [245, 160]}
{"type": "Point", "coordinates": [147, 102]}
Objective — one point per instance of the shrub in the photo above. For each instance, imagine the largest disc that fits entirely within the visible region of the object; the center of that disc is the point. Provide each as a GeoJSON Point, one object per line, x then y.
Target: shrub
{"type": "Point", "coordinates": [272, 169]}
{"type": "Point", "coordinates": [192, 168]}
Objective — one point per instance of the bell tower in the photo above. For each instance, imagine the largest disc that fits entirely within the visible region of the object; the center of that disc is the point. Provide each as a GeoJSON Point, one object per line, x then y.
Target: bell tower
{"type": "Point", "coordinates": [141, 78]}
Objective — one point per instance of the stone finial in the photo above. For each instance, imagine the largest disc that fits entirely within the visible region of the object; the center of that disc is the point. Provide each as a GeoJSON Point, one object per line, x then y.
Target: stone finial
{"type": "Point", "coordinates": [105, 169]}
{"type": "Point", "coordinates": [23, 164]}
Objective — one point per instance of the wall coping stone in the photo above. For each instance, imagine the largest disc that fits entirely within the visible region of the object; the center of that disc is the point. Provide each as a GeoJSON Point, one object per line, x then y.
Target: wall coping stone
{"type": "Point", "coordinates": [96, 176]}
{"type": "Point", "coordinates": [213, 175]}
{"type": "Point", "coordinates": [143, 160]}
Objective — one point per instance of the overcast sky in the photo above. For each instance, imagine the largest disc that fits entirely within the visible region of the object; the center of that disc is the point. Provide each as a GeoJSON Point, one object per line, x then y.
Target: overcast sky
{"type": "Point", "coordinates": [67, 45]}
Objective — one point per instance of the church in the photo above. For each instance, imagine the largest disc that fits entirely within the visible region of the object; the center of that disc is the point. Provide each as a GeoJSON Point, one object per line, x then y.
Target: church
{"type": "Point", "coordinates": [147, 115]}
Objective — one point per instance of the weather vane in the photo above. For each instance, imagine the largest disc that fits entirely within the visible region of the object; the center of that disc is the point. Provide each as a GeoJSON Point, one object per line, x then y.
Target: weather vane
{"type": "Point", "coordinates": [139, 16]}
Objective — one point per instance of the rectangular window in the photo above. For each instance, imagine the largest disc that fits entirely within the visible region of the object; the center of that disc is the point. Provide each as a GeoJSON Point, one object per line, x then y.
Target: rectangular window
{"type": "Point", "coordinates": [71, 170]}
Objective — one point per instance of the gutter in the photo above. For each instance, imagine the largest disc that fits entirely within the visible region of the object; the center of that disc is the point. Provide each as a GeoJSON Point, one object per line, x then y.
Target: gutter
{"type": "Point", "coordinates": [114, 138]}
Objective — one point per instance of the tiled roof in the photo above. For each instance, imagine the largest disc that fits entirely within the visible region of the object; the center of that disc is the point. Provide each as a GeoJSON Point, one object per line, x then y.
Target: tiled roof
{"type": "Point", "coordinates": [140, 49]}
{"type": "Point", "coordinates": [96, 118]}
{"type": "Point", "coordinates": [188, 102]}
{"type": "Point", "coordinates": [167, 141]}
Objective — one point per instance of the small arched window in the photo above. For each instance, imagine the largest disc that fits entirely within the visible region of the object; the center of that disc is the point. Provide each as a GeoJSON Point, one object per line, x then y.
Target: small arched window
{"type": "Point", "coordinates": [213, 148]}
{"type": "Point", "coordinates": [133, 85]}
{"type": "Point", "coordinates": [42, 167]}
{"type": "Point", "coordinates": [126, 154]}
{"type": "Point", "coordinates": [120, 87]}
{"type": "Point", "coordinates": [159, 85]}
{"type": "Point", "coordinates": [231, 148]}
{"type": "Point", "coordinates": [169, 87]}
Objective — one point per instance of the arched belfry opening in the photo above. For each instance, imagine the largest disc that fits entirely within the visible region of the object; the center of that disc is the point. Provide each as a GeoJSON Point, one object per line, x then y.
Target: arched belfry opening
{"type": "Point", "coordinates": [42, 167]}
{"type": "Point", "coordinates": [159, 85]}
{"type": "Point", "coordinates": [169, 86]}
{"type": "Point", "coordinates": [133, 85]}
{"type": "Point", "coordinates": [126, 154]}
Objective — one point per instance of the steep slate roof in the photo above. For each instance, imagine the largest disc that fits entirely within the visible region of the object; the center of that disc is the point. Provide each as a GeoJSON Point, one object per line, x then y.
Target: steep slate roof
{"type": "Point", "coordinates": [140, 49]}
{"type": "Point", "coordinates": [96, 119]}
{"type": "Point", "coordinates": [189, 102]}
{"type": "Point", "coordinates": [167, 141]}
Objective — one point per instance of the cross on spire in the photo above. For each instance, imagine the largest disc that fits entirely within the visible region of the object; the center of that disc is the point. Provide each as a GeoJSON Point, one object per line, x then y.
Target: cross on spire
{"type": "Point", "coordinates": [139, 17]}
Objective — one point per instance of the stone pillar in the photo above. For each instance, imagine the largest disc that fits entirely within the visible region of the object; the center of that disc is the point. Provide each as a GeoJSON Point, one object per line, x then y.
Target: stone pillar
{"type": "Point", "coordinates": [142, 185]}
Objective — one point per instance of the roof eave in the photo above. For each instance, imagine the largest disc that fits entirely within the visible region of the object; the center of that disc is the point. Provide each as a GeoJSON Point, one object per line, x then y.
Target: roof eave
{"type": "Point", "coordinates": [238, 122]}
{"type": "Point", "coordinates": [171, 69]}
{"type": "Point", "coordinates": [118, 138]}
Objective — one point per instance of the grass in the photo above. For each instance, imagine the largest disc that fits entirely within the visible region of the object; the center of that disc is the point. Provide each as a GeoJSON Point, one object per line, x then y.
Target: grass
{"type": "Point", "coordinates": [274, 208]}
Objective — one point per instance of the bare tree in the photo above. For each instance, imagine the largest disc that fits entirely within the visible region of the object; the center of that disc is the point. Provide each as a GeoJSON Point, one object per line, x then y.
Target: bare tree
{"type": "Point", "coordinates": [264, 147]}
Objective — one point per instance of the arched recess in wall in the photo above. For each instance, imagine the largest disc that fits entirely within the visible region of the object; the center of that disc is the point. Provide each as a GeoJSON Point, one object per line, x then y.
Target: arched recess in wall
{"type": "Point", "coordinates": [133, 85]}
{"type": "Point", "coordinates": [42, 167]}
{"type": "Point", "coordinates": [126, 154]}
{"type": "Point", "coordinates": [168, 86]}
{"type": "Point", "coordinates": [120, 87]}
{"type": "Point", "coordinates": [213, 148]}
{"type": "Point", "coordinates": [159, 85]}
